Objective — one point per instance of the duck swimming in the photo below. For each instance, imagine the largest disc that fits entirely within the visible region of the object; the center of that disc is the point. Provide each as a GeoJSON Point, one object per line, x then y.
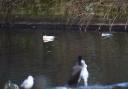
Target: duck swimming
{"type": "Point", "coordinates": [47, 38]}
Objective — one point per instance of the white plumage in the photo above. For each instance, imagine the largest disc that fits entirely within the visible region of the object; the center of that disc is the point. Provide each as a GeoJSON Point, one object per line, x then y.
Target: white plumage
{"type": "Point", "coordinates": [84, 73]}
{"type": "Point", "coordinates": [106, 34]}
{"type": "Point", "coordinates": [28, 83]}
{"type": "Point", "coordinates": [47, 38]}
{"type": "Point", "coordinates": [79, 73]}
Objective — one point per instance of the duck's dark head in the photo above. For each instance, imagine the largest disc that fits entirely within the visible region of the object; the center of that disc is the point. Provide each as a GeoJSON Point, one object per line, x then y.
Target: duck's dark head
{"type": "Point", "coordinates": [79, 60]}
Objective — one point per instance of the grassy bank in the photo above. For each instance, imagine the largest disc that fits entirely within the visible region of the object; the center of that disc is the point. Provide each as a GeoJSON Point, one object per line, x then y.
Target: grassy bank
{"type": "Point", "coordinates": [66, 11]}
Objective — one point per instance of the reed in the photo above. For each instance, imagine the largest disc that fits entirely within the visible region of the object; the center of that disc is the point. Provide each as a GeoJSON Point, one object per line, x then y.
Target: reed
{"type": "Point", "coordinates": [67, 11]}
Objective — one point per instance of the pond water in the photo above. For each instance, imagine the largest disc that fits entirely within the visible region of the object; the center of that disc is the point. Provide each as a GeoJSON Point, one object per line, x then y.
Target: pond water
{"type": "Point", "coordinates": [24, 53]}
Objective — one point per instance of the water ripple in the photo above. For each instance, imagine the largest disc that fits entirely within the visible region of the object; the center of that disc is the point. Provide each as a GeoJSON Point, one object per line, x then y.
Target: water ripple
{"type": "Point", "coordinates": [121, 85]}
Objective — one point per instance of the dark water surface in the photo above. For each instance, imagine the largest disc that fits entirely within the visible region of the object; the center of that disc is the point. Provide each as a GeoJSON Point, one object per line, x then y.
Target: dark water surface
{"type": "Point", "coordinates": [24, 53]}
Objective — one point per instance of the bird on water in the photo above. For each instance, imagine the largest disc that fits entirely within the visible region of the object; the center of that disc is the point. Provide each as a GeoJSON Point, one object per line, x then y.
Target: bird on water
{"type": "Point", "coordinates": [79, 73]}
{"type": "Point", "coordinates": [28, 83]}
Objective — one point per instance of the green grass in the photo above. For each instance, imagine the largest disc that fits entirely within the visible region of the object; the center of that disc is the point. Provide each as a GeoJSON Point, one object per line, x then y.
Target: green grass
{"type": "Point", "coordinates": [65, 10]}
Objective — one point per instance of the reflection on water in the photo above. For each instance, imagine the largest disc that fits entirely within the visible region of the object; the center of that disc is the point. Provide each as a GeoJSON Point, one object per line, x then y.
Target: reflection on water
{"type": "Point", "coordinates": [82, 87]}
{"type": "Point", "coordinates": [24, 53]}
{"type": "Point", "coordinates": [123, 85]}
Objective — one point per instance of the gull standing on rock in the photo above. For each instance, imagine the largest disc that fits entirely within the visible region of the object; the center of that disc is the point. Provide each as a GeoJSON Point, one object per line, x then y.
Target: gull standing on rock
{"type": "Point", "coordinates": [28, 83]}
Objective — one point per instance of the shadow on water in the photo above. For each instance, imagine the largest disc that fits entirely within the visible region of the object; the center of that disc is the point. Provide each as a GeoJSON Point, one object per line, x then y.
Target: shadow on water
{"type": "Point", "coordinates": [24, 53]}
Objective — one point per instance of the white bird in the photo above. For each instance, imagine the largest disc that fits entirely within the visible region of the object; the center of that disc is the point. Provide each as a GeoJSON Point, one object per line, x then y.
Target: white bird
{"type": "Point", "coordinates": [10, 85]}
{"type": "Point", "coordinates": [28, 83]}
{"type": "Point", "coordinates": [79, 73]}
{"type": "Point", "coordinates": [106, 34]}
{"type": "Point", "coordinates": [47, 38]}
{"type": "Point", "coordinates": [84, 73]}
